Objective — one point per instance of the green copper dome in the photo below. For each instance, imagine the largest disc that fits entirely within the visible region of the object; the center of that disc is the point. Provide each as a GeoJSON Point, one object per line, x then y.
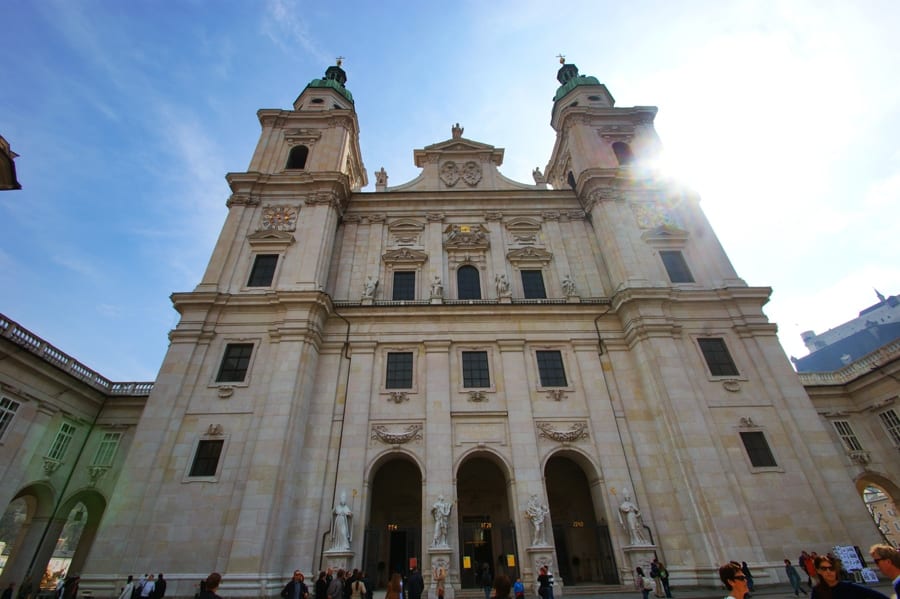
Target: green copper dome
{"type": "Point", "coordinates": [570, 79]}
{"type": "Point", "coordinates": [335, 78]}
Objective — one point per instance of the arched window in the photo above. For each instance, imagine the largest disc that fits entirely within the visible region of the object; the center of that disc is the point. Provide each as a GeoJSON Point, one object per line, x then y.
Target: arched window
{"type": "Point", "coordinates": [297, 158]}
{"type": "Point", "coordinates": [623, 153]}
{"type": "Point", "coordinates": [468, 283]}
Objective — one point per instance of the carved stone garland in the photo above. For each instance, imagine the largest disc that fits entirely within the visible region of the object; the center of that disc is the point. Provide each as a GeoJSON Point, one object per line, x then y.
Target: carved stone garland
{"type": "Point", "coordinates": [577, 431]}
{"type": "Point", "coordinates": [413, 432]}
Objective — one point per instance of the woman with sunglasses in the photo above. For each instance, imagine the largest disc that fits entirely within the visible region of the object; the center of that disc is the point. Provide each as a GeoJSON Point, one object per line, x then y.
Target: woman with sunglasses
{"type": "Point", "coordinates": [734, 580]}
{"type": "Point", "coordinates": [830, 587]}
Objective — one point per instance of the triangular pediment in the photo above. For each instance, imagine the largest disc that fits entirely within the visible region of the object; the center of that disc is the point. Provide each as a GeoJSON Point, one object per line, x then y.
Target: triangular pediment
{"type": "Point", "coordinates": [460, 145]}
{"type": "Point", "coordinates": [404, 255]}
{"type": "Point", "coordinates": [529, 255]}
{"type": "Point", "coordinates": [271, 239]}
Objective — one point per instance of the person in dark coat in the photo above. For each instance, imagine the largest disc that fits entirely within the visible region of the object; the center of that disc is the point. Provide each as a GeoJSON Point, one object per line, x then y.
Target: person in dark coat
{"type": "Point", "coordinates": [159, 590]}
{"type": "Point", "coordinates": [414, 584]}
{"type": "Point", "coordinates": [295, 587]}
{"type": "Point", "coordinates": [212, 585]}
{"type": "Point", "coordinates": [321, 586]}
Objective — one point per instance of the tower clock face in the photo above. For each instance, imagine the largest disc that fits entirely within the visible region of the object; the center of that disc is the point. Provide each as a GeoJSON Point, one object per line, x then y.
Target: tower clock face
{"type": "Point", "coordinates": [279, 218]}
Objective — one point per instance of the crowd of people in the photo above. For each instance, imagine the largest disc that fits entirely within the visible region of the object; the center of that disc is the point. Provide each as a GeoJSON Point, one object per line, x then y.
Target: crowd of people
{"type": "Point", "coordinates": [825, 576]}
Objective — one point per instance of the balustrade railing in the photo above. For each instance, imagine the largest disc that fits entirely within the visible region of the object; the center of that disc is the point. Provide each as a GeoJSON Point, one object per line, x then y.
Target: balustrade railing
{"type": "Point", "coordinates": [24, 338]}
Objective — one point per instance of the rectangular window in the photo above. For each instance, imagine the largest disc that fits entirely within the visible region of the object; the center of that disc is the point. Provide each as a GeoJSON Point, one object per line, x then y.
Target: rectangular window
{"type": "Point", "coordinates": [106, 452]}
{"type": "Point", "coordinates": [551, 370]}
{"type": "Point", "coordinates": [845, 431]}
{"type": "Point", "coordinates": [476, 374]}
{"type": "Point", "coordinates": [61, 443]}
{"type": "Point", "coordinates": [206, 459]}
{"type": "Point", "coordinates": [8, 409]}
{"type": "Point", "coordinates": [404, 285]}
{"type": "Point", "coordinates": [891, 425]}
{"type": "Point", "coordinates": [263, 271]}
{"type": "Point", "coordinates": [758, 449]}
{"type": "Point", "coordinates": [235, 363]}
{"type": "Point", "coordinates": [676, 266]}
{"type": "Point", "coordinates": [719, 361]}
{"type": "Point", "coordinates": [533, 284]}
{"type": "Point", "coordinates": [399, 371]}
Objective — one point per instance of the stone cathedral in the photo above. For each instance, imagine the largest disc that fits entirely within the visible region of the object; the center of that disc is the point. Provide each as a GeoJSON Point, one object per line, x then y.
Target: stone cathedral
{"type": "Point", "coordinates": [461, 372]}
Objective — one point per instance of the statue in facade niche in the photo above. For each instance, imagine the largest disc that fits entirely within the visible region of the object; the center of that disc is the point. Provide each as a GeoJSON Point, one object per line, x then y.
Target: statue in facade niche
{"type": "Point", "coordinates": [340, 528]}
{"type": "Point", "coordinates": [537, 513]}
{"type": "Point", "coordinates": [568, 285]}
{"type": "Point", "coordinates": [437, 287]}
{"type": "Point", "coordinates": [441, 512]}
{"type": "Point", "coordinates": [369, 288]}
{"type": "Point", "coordinates": [502, 285]}
{"type": "Point", "coordinates": [630, 518]}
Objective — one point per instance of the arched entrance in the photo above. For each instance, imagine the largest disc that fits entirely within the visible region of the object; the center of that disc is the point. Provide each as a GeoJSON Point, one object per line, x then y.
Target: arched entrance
{"type": "Point", "coordinates": [51, 540]}
{"type": "Point", "coordinates": [583, 547]}
{"type": "Point", "coordinates": [880, 494]}
{"type": "Point", "coordinates": [394, 532]}
{"type": "Point", "coordinates": [487, 533]}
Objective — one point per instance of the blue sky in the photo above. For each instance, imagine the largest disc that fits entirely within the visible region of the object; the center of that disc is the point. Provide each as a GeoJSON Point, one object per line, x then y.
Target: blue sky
{"type": "Point", "coordinates": [127, 115]}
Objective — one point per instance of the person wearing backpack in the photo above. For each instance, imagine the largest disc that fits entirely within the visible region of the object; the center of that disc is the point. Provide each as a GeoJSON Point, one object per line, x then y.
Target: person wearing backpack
{"type": "Point", "coordinates": [642, 582]}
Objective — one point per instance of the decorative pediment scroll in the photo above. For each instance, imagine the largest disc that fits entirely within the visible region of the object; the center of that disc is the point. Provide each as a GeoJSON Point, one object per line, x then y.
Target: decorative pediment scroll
{"type": "Point", "coordinates": [466, 237]}
{"type": "Point", "coordinates": [524, 231]}
{"type": "Point", "coordinates": [406, 232]}
{"type": "Point", "coordinates": [306, 137]}
{"type": "Point", "coordinates": [529, 256]}
{"type": "Point", "coordinates": [577, 431]}
{"type": "Point", "coordinates": [412, 432]}
{"type": "Point", "coordinates": [404, 256]}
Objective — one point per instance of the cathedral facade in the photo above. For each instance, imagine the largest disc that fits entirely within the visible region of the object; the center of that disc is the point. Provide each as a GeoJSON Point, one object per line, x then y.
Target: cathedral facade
{"type": "Point", "coordinates": [461, 372]}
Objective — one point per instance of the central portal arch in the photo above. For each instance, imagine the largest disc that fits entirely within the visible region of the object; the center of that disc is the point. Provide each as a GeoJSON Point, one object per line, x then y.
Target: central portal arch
{"type": "Point", "coordinates": [487, 532]}
{"type": "Point", "coordinates": [393, 535]}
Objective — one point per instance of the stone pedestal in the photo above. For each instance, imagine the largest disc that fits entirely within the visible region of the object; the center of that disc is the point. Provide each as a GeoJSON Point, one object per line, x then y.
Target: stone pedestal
{"type": "Point", "coordinates": [439, 563]}
{"type": "Point", "coordinates": [336, 559]}
{"type": "Point", "coordinates": [638, 555]}
{"type": "Point", "coordinates": [367, 301]}
{"type": "Point", "coordinates": [505, 299]}
{"type": "Point", "coordinates": [436, 299]}
{"type": "Point", "coordinates": [573, 299]}
{"type": "Point", "coordinates": [539, 556]}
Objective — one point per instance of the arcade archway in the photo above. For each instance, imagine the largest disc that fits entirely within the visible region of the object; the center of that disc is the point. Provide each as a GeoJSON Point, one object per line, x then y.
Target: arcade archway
{"type": "Point", "coordinates": [487, 534]}
{"type": "Point", "coordinates": [584, 549]}
{"type": "Point", "coordinates": [393, 534]}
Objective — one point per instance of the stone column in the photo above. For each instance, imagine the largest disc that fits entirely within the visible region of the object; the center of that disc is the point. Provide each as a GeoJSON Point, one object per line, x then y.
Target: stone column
{"type": "Point", "coordinates": [439, 465]}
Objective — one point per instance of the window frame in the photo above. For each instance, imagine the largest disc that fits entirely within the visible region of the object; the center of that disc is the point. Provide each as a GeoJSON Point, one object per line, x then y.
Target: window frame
{"type": "Point", "coordinates": [537, 368]}
{"type": "Point", "coordinates": [61, 442]}
{"type": "Point", "coordinates": [491, 365]}
{"type": "Point", "coordinates": [216, 371]}
{"type": "Point", "coordinates": [254, 262]}
{"type": "Point", "coordinates": [480, 282]}
{"type": "Point", "coordinates": [678, 267]}
{"type": "Point", "coordinates": [412, 288]}
{"type": "Point", "coordinates": [7, 414]}
{"type": "Point", "coordinates": [848, 437]}
{"type": "Point", "coordinates": [189, 467]}
{"type": "Point", "coordinates": [892, 429]}
{"type": "Point", "coordinates": [758, 434]}
{"type": "Point", "coordinates": [383, 358]}
{"type": "Point", "coordinates": [525, 287]}
{"type": "Point", "coordinates": [387, 370]}
{"type": "Point", "coordinates": [486, 369]}
{"type": "Point", "coordinates": [291, 150]}
{"type": "Point", "coordinates": [107, 448]}
{"type": "Point", "coordinates": [709, 365]}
